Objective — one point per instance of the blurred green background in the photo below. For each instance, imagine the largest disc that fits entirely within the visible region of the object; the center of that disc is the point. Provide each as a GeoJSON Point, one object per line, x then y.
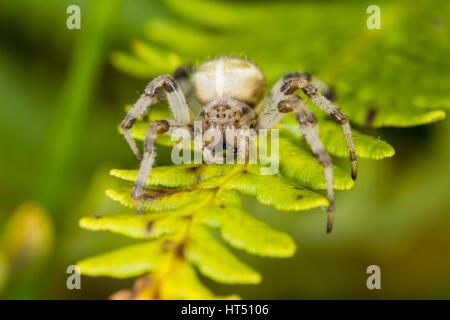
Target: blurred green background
{"type": "Point", "coordinates": [63, 92]}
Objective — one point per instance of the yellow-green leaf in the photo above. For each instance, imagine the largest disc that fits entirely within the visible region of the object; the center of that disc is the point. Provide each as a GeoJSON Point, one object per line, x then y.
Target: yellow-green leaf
{"type": "Point", "coordinates": [332, 136]}
{"type": "Point", "coordinates": [241, 230]}
{"type": "Point", "coordinates": [160, 199]}
{"type": "Point", "coordinates": [182, 175]}
{"type": "Point", "coordinates": [126, 262]}
{"type": "Point", "coordinates": [276, 191]}
{"type": "Point", "coordinates": [300, 165]}
{"type": "Point", "coordinates": [134, 225]}
{"type": "Point", "coordinates": [183, 284]}
{"type": "Point", "coordinates": [215, 261]}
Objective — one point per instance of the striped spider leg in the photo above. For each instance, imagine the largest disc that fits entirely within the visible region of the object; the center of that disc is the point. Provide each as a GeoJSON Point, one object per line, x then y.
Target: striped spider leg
{"type": "Point", "coordinates": [181, 114]}
{"type": "Point", "coordinates": [282, 99]}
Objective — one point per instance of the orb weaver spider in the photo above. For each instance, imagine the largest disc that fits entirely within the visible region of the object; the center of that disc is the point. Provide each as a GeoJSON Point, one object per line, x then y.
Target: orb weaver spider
{"type": "Point", "coordinates": [226, 93]}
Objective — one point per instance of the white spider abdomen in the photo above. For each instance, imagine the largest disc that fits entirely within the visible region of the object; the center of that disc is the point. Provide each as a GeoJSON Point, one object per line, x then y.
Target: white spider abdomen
{"type": "Point", "coordinates": [228, 77]}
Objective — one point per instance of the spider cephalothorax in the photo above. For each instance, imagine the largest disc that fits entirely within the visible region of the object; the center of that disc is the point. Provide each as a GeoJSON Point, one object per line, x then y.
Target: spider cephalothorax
{"type": "Point", "coordinates": [226, 113]}
{"type": "Point", "coordinates": [225, 93]}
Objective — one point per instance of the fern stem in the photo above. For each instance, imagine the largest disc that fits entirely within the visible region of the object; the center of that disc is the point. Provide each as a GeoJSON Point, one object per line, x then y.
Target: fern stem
{"type": "Point", "coordinates": [181, 238]}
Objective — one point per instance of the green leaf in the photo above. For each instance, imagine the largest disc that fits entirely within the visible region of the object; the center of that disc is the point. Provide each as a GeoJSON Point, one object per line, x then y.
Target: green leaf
{"type": "Point", "coordinates": [134, 225]}
{"type": "Point", "coordinates": [183, 175]}
{"type": "Point", "coordinates": [215, 261]}
{"type": "Point", "coordinates": [184, 284]}
{"type": "Point", "coordinates": [147, 60]}
{"type": "Point", "coordinates": [170, 176]}
{"type": "Point", "coordinates": [272, 190]}
{"type": "Point", "coordinates": [228, 196]}
{"type": "Point", "coordinates": [126, 262]}
{"type": "Point", "coordinates": [235, 223]}
{"type": "Point", "coordinates": [276, 191]}
{"type": "Point", "coordinates": [366, 146]}
{"type": "Point", "coordinates": [189, 37]}
{"type": "Point", "coordinates": [301, 166]}
{"type": "Point", "coordinates": [332, 136]}
{"type": "Point", "coordinates": [133, 65]}
{"type": "Point", "coordinates": [160, 199]}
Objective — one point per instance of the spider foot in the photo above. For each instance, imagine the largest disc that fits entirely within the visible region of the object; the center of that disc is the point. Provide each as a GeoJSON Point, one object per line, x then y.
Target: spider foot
{"type": "Point", "coordinates": [330, 217]}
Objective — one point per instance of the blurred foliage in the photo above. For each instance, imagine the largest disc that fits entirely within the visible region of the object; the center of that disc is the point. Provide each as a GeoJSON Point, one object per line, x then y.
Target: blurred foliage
{"type": "Point", "coordinates": [64, 130]}
{"type": "Point", "coordinates": [27, 240]}
{"type": "Point", "coordinates": [396, 216]}
{"type": "Point", "coordinates": [312, 36]}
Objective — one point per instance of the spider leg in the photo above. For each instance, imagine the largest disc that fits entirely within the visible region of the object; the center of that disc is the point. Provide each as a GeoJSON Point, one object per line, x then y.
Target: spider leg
{"type": "Point", "coordinates": [175, 98]}
{"type": "Point", "coordinates": [323, 88]}
{"type": "Point", "coordinates": [182, 76]}
{"type": "Point", "coordinates": [148, 160]}
{"type": "Point", "coordinates": [310, 129]}
{"type": "Point", "coordinates": [285, 88]}
{"type": "Point", "coordinates": [245, 132]}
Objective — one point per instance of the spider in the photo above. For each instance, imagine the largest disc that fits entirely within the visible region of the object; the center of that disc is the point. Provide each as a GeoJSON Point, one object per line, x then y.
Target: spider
{"type": "Point", "coordinates": [226, 93]}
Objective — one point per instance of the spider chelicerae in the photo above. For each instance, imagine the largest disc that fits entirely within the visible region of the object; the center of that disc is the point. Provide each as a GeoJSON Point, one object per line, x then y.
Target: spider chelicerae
{"type": "Point", "coordinates": [226, 93]}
